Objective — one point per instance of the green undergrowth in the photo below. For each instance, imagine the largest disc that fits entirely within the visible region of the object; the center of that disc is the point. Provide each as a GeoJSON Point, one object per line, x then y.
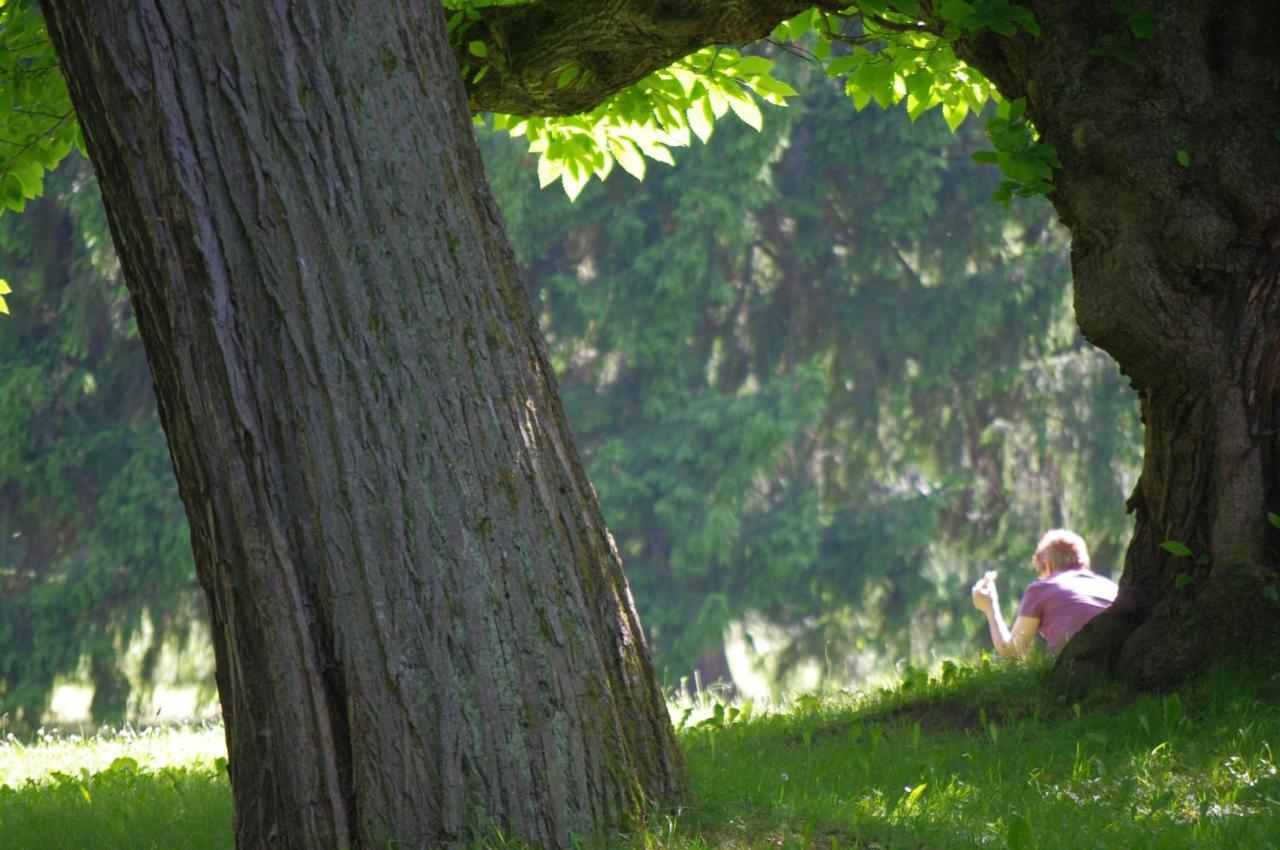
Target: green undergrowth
{"type": "Point", "coordinates": [987, 756]}
{"type": "Point", "coordinates": [154, 788]}
{"type": "Point", "coordinates": [977, 755]}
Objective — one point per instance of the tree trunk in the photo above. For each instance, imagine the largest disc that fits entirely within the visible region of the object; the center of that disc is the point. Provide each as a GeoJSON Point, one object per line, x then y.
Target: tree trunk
{"type": "Point", "coordinates": [421, 625]}
{"type": "Point", "coordinates": [1171, 187]}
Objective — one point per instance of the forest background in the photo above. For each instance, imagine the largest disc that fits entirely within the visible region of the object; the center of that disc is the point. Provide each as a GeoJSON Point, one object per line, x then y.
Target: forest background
{"type": "Point", "coordinates": [821, 381]}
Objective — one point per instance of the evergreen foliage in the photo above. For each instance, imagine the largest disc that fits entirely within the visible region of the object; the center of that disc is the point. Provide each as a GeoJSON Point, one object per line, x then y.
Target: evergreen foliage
{"type": "Point", "coordinates": [92, 536]}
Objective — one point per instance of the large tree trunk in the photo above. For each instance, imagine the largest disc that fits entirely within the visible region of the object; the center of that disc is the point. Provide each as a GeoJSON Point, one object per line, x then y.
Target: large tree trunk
{"type": "Point", "coordinates": [1177, 275]}
{"type": "Point", "coordinates": [421, 624]}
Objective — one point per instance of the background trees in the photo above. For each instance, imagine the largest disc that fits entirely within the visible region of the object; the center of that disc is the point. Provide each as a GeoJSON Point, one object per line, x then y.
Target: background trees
{"type": "Point", "coordinates": [94, 543]}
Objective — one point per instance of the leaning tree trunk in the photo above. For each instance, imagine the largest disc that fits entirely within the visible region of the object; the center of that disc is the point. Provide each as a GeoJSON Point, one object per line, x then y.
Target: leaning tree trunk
{"type": "Point", "coordinates": [1171, 187]}
{"type": "Point", "coordinates": [421, 624]}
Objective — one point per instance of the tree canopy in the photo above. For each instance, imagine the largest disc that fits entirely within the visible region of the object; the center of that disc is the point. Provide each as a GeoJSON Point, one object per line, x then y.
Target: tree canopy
{"type": "Point", "coordinates": [647, 90]}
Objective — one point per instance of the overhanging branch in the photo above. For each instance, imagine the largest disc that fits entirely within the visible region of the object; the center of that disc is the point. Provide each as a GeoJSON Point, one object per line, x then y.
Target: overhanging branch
{"type": "Point", "coordinates": [610, 44]}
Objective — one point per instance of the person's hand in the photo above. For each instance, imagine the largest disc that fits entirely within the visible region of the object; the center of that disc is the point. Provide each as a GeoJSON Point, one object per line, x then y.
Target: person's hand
{"type": "Point", "coordinates": [985, 596]}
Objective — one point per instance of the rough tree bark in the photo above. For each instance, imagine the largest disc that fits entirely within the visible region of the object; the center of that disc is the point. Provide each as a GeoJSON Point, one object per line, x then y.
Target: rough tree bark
{"type": "Point", "coordinates": [421, 625]}
{"type": "Point", "coordinates": [611, 44]}
{"type": "Point", "coordinates": [1177, 276]}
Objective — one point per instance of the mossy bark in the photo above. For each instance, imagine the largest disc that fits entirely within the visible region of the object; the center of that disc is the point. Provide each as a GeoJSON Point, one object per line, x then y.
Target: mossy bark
{"type": "Point", "coordinates": [609, 44]}
{"type": "Point", "coordinates": [421, 624]}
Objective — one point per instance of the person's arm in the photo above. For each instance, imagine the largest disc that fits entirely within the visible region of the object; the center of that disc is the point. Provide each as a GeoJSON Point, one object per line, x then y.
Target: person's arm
{"type": "Point", "coordinates": [1010, 643]}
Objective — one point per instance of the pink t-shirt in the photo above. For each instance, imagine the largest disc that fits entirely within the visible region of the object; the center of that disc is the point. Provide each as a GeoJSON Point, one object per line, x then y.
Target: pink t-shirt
{"type": "Point", "coordinates": [1065, 601]}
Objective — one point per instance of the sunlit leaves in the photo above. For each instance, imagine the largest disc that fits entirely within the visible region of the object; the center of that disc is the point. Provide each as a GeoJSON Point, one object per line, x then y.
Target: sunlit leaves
{"type": "Point", "coordinates": [888, 55]}
{"type": "Point", "coordinates": [5, 289]}
{"type": "Point", "coordinates": [664, 110]}
{"type": "Point", "coordinates": [37, 124]}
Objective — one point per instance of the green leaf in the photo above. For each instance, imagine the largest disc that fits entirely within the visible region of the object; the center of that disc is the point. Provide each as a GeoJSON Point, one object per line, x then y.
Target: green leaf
{"type": "Point", "coordinates": [478, 48]}
{"type": "Point", "coordinates": [954, 114]}
{"type": "Point", "coordinates": [752, 65]}
{"type": "Point", "coordinates": [1184, 158]}
{"type": "Point", "coordinates": [624, 151]}
{"type": "Point", "coordinates": [746, 109]}
{"type": "Point", "coordinates": [701, 120]}
{"type": "Point", "coordinates": [123, 764]}
{"type": "Point", "coordinates": [772, 90]}
{"type": "Point", "coordinates": [842, 65]}
{"type": "Point", "coordinates": [799, 25]}
{"type": "Point", "coordinates": [860, 95]}
{"type": "Point", "coordinates": [1173, 547]}
{"type": "Point", "coordinates": [1181, 580]}
{"type": "Point", "coordinates": [1274, 519]}
{"type": "Point", "coordinates": [915, 794]}
{"type": "Point", "coordinates": [574, 181]}
{"type": "Point", "coordinates": [549, 170]}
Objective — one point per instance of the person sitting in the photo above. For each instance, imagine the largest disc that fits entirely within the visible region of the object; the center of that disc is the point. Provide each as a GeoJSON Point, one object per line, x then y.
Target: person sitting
{"type": "Point", "coordinates": [1067, 595]}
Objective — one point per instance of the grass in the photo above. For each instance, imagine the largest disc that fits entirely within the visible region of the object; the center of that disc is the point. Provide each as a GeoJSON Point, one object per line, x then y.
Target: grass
{"type": "Point", "coordinates": [986, 758]}
{"type": "Point", "coordinates": [156, 788]}
{"type": "Point", "coordinates": [977, 756]}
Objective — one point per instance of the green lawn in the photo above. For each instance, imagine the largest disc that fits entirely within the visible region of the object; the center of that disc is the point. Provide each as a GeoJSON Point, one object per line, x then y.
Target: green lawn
{"type": "Point", "coordinates": [978, 756]}
{"type": "Point", "coordinates": [988, 759]}
{"type": "Point", "coordinates": [159, 788]}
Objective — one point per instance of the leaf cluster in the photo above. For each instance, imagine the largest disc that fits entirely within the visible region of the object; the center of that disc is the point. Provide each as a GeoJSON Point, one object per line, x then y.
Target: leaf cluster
{"type": "Point", "coordinates": [37, 124]}
{"type": "Point", "coordinates": [643, 122]}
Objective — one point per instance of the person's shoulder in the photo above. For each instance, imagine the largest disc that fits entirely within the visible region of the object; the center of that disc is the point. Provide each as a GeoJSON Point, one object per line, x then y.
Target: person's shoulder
{"type": "Point", "coordinates": [1039, 585]}
{"type": "Point", "coordinates": [1110, 582]}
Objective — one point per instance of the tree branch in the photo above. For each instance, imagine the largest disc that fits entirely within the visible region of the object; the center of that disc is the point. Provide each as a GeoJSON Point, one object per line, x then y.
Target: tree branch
{"type": "Point", "coordinates": [610, 43]}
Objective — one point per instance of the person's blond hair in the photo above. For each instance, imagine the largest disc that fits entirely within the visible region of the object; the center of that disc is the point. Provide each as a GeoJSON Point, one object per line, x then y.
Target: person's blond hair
{"type": "Point", "coordinates": [1060, 548]}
